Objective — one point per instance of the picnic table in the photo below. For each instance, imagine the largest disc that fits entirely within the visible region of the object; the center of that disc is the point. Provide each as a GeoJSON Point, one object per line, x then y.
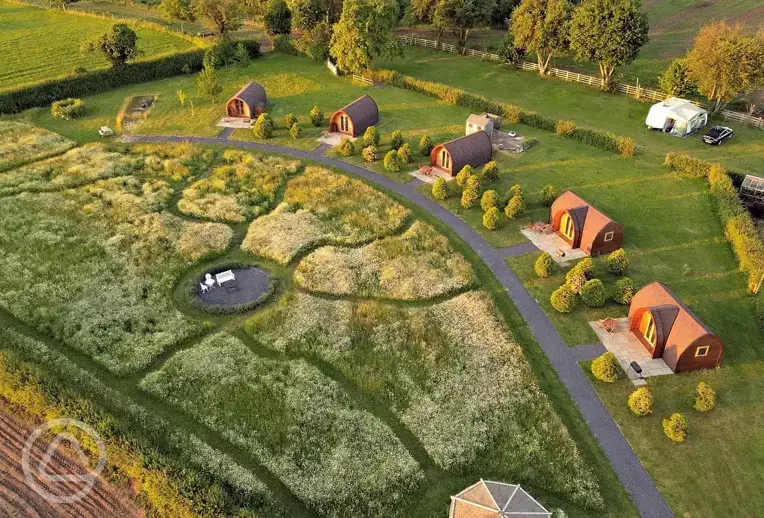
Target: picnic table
{"type": "Point", "coordinates": [425, 170]}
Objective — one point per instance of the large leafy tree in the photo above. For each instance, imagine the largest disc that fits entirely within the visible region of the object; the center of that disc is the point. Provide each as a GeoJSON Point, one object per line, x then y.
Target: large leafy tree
{"type": "Point", "coordinates": [365, 31]}
{"type": "Point", "coordinates": [675, 81]}
{"type": "Point", "coordinates": [278, 18]}
{"type": "Point", "coordinates": [609, 33]}
{"type": "Point", "coordinates": [461, 16]}
{"type": "Point", "coordinates": [726, 63]}
{"type": "Point", "coordinates": [221, 16]}
{"type": "Point", "coordinates": [541, 26]}
{"type": "Point", "coordinates": [179, 10]}
{"type": "Point", "coordinates": [119, 45]}
{"type": "Point", "coordinates": [501, 13]}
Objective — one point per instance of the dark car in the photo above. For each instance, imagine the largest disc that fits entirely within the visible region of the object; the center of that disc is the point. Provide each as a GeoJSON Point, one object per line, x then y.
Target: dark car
{"type": "Point", "coordinates": [717, 135]}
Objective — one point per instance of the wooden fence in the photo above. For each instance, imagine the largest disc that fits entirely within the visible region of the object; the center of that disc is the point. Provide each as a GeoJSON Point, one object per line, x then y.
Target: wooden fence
{"type": "Point", "coordinates": [635, 91]}
{"type": "Point", "coordinates": [364, 80]}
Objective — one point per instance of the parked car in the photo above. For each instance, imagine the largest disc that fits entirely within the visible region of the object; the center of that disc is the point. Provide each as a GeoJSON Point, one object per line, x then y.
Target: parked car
{"type": "Point", "coordinates": [718, 134]}
{"type": "Point", "coordinates": [205, 33]}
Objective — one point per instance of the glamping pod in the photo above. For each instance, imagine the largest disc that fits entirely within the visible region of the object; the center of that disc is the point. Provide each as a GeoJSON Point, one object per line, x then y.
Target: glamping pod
{"type": "Point", "coordinates": [354, 118]}
{"type": "Point", "coordinates": [583, 226]}
{"type": "Point", "coordinates": [495, 500]}
{"type": "Point", "coordinates": [677, 117]}
{"type": "Point", "coordinates": [668, 329]}
{"type": "Point", "coordinates": [474, 149]}
{"type": "Point", "coordinates": [248, 103]}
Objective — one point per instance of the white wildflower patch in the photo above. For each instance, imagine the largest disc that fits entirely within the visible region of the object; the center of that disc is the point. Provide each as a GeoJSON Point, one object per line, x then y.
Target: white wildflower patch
{"type": "Point", "coordinates": [22, 142]}
{"type": "Point", "coordinates": [419, 264]}
{"type": "Point", "coordinates": [341, 460]}
{"type": "Point", "coordinates": [198, 240]}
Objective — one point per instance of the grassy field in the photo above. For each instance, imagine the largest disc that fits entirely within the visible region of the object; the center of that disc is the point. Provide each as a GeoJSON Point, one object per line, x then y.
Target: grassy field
{"type": "Point", "coordinates": [39, 44]}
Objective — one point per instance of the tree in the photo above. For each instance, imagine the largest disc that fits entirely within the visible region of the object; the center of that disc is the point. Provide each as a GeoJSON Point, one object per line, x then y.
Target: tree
{"type": "Point", "coordinates": [278, 18]}
{"type": "Point", "coordinates": [593, 293]}
{"type": "Point", "coordinates": [424, 11]}
{"type": "Point", "coordinates": [425, 146]}
{"type": "Point", "coordinates": [295, 131]}
{"type": "Point", "coordinates": [221, 16]}
{"type": "Point", "coordinates": [563, 300]}
{"type": "Point", "coordinates": [461, 16]}
{"type": "Point", "coordinates": [315, 42]}
{"type": "Point", "coordinates": [544, 265]}
{"type": "Point", "coordinates": [489, 200]}
{"type": "Point", "coordinates": [119, 45]}
{"type": "Point", "coordinates": [726, 63]}
{"type": "Point", "coordinates": [608, 32]}
{"type": "Point", "coordinates": [371, 136]}
{"type": "Point", "coordinates": [179, 10]}
{"type": "Point", "coordinates": [675, 80]}
{"type": "Point", "coordinates": [618, 262]}
{"type": "Point", "coordinates": [491, 218]}
{"type": "Point", "coordinates": [207, 83]}
{"type": "Point", "coordinates": [501, 13]}
{"type": "Point", "coordinates": [541, 26]}
{"type": "Point", "coordinates": [263, 127]}
{"type": "Point", "coordinates": [440, 189]}
{"type": "Point", "coordinates": [641, 402]}
{"type": "Point", "coordinates": [364, 32]}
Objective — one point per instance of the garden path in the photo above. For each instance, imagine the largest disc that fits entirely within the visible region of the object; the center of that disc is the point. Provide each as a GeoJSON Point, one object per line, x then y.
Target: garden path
{"type": "Point", "coordinates": [634, 477]}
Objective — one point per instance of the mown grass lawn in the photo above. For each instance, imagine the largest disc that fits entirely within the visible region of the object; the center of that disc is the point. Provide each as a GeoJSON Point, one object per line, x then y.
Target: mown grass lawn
{"type": "Point", "coordinates": [718, 471]}
{"type": "Point", "coordinates": [39, 44]}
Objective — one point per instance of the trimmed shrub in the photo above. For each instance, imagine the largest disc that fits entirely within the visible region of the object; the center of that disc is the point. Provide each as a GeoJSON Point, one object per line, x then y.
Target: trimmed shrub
{"type": "Point", "coordinates": [425, 146]}
{"type": "Point", "coordinates": [489, 200]}
{"type": "Point", "coordinates": [548, 195]}
{"type": "Point", "coordinates": [511, 113]}
{"type": "Point", "coordinates": [463, 175]}
{"type": "Point", "coordinates": [290, 120]}
{"type": "Point", "coordinates": [641, 402]}
{"type": "Point", "coordinates": [618, 262]}
{"type": "Point", "coordinates": [346, 147]}
{"type": "Point", "coordinates": [587, 266]}
{"type": "Point", "coordinates": [563, 300]}
{"type": "Point", "coordinates": [626, 146]}
{"type": "Point", "coordinates": [295, 131]}
{"type": "Point", "coordinates": [440, 189]}
{"type": "Point", "coordinates": [491, 171]}
{"type": "Point", "coordinates": [369, 153]}
{"type": "Point", "coordinates": [316, 116]}
{"type": "Point", "coordinates": [371, 136]}
{"type": "Point", "coordinates": [263, 127]}
{"type": "Point", "coordinates": [594, 293]}
{"type": "Point", "coordinates": [470, 195]}
{"type": "Point", "coordinates": [575, 280]}
{"type": "Point", "coordinates": [491, 218]}
{"type": "Point", "coordinates": [544, 265]}
{"type": "Point", "coordinates": [407, 156]}
{"type": "Point", "coordinates": [537, 121]}
{"type": "Point", "coordinates": [758, 308]}
{"type": "Point", "coordinates": [67, 109]}
{"type": "Point", "coordinates": [396, 139]}
{"type": "Point", "coordinates": [515, 207]}
{"type": "Point", "coordinates": [392, 161]}
{"type": "Point", "coordinates": [564, 127]}
{"type": "Point", "coordinates": [624, 291]}
{"type": "Point", "coordinates": [687, 165]}
{"type": "Point", "coordinates": [705, 398]}
{"type": "Point", "coordinates": [675, 427]}
{"type": "Point", "coordinates": [605, 368]}
{"type": "Point", "coordinates": [515, 190]}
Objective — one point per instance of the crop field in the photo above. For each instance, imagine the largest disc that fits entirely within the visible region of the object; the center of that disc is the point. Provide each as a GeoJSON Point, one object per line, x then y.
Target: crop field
{"type": "Point", "coordinates": [25, 60]}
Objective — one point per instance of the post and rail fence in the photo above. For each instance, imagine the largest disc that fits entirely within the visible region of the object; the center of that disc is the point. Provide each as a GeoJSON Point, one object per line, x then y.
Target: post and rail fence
{"type": "Point", "coordinates": [635, 91]}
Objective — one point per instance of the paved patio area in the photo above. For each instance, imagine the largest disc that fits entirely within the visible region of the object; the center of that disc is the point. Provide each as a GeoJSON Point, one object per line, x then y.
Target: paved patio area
{"type": "Point", "coordinates": [501, 141]}
{"type": "Point", "coordinates": [235, 123]}
{"type": "Point", "coordinates": [555, 246]}
{"type": "Point", "coordinates": [436, 173]}
{"type": "Point", "coordinates": [627, 348]}
{"type": "Point", "coordinates": [333, 139]}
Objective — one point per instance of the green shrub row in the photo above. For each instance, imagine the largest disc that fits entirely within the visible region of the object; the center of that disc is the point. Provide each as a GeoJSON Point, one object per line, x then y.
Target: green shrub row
{"type": "Point", "coordinates": [510, 112]}
{"type": "Point", "coordinates": [89, 83]}
{"type": "Point", "coordinates": [739, 228]}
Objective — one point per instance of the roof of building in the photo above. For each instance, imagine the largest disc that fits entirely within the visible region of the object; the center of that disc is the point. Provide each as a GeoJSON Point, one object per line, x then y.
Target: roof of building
{"type": "Point", "coordinates": [475, 149]}
{"type": "Point", "coordinates": [587, 220]}
{"type": "Point", "coordinates": [252, 93]}
{"type": "Point", "coordinates": [363, 112]}
{"type": "Point", "coordinates": [487, 499]}
{"type": "Point", "coordinates": [479, 120]}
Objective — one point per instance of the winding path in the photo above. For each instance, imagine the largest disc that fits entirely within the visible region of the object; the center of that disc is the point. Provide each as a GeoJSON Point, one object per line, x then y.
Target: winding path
{"type": "Point", "coordinates": [634, 477]}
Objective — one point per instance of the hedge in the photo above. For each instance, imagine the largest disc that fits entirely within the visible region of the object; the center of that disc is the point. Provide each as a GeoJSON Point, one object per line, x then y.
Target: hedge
{"type": "Point", "coordinates": [90, 83]}
{"type": "Point", "coordinates": [510, 112]}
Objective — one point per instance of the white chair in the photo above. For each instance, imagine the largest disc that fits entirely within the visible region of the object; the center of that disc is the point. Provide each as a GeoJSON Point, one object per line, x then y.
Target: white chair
{"type": "Point", "coordinates": [205, 288]}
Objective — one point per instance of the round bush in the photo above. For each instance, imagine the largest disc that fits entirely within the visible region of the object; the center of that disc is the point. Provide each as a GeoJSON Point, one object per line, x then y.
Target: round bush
{"type": "Point", "coordinates": [575, 280]}
{"type": "Point", "coordinates": [544, 265]}
{"type": "Point", "coordinates": [290, 120]}
{"type": "Point", "coordinates": [463, 175]}
{"type": "Point", "coordinates": [491, 171]}
{"type": "Point", "coordinates": [346, 147]}
{"type": "Point", "coordinates": [425, 146]}
{"type": "Point", "coordinates": [440, 189]}
{"type": "Point", "coordinates": [618, 262]}
{"type": "Point", "coordinates": [68, 109]}
{"type": "Point", "coordinates": [564, 127]}
{"type": "Point", "coordinates": [316, 116]}
{"type": "Point", "coordinates": [369, 153]}
{"type": "Point", "coordinates": [641, 402]}
{"type": "Point", "coordinates": [263, 127]}
{"type": "Point", "coordinates": [489, 200]}
{"type": "Point", "coordinates": [548, 195]}
{"type": "Point", "coordinates": [295, 130]}
{"type": "Point", "coordinates": [396, 139]}
{"type": "Point", "coordinates": [470, 195]}
{"type": "Point", "coordinates": [705, 397]}
{"type": "Point", "coordinates": [594, 293]}
{"type": "Point", "coordinates": [392, 161]}
{"type": "Point", "coordinates": [563, 299]}
{"type": "Point", "coordinates": [675, 427]}
{"type": "Point", "coordinates": [586, 265]}
{"type": "Point", "coordinates": [491, 218]}
{"type": "Point", "coordinates": [624, 291]}
{"type": "Point", "coordinates": [371, 136]}
{"type": "Point", "coordinates": [407, 156]}
{"type": "Point", "coordinates": [515, 190]}
{"type": "Point", "coordinates": [515, 207]}
{"type": "Point", "coordinates": [605, 368]}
